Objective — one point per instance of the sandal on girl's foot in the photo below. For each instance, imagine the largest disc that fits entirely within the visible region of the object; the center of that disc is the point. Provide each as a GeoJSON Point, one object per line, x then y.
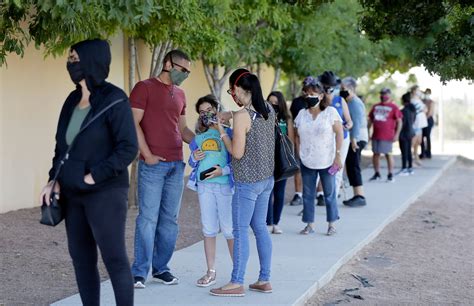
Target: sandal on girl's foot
{"type": "Point", "coordinates": [208, 279]}
{"type": "Point", "coordinates": [331, 230]}
{"type": "Point", "coordinates": [307, 230]}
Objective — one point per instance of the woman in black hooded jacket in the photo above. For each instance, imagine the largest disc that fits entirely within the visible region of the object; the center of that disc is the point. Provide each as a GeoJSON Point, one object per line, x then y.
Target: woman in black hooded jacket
{"type": "Point", "coordinates": [93, 182]}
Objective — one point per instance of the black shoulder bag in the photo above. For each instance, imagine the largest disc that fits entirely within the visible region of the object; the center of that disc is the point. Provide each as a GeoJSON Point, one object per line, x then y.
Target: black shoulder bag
{"type": "Point", "coordinates": [53, 213]}
{"type": "Point", "coordinates": [286, 164]}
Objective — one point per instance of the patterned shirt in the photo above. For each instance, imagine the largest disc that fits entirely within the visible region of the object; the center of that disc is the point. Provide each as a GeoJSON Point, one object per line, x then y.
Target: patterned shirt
{"type": "Point", "coordinates": [258, 161]}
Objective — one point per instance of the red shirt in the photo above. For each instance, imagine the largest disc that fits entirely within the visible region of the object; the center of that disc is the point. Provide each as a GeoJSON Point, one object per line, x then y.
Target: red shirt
{"type": "Point", "coordinates": [163, 105]}
{"type": "Point", "coordinates": [384, 116]}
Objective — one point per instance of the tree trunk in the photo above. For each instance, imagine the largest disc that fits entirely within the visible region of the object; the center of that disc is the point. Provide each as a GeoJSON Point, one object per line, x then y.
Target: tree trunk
{"type": "Point", "coordinates": [159, 53]}
{"type": "Point", "coordinates": [294, 90]}
{"type": "Point", "coordinates": [276, 79]}
{"type": "Point", "coordinates": [214, 80]}
{"type": "Point", "coordinates": [132, 61]}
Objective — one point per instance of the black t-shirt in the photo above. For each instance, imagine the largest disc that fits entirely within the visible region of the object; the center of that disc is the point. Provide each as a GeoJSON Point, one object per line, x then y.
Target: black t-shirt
{"type": "Point", "coordinates": [409, 115]}
{"type": "Point", "coordinates": [297, 104]}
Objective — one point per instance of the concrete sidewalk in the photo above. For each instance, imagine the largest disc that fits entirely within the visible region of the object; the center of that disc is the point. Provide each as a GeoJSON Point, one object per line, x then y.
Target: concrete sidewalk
{"type": "Point", "coordinates": [300, 264]}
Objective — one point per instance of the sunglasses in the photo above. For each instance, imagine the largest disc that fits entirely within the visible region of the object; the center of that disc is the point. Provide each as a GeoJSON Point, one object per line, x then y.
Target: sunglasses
{"type": "Point", "coordinates": [183, 69]}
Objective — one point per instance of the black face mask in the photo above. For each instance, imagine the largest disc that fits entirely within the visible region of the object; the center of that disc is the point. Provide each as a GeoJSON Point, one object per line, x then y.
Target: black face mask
{"type": "Point", "coordinates": [75, 72]}
{"type": "Point", "coordinates": [276, 108]}
{"type": "Point", "coordinates": [312, 101]}
{"type": "Point", "coordinates": [344, 94]}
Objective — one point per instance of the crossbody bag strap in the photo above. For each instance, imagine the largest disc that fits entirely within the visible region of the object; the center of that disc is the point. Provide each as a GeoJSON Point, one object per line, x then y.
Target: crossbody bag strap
{"type": "Point", "coordinates": [66, 156]}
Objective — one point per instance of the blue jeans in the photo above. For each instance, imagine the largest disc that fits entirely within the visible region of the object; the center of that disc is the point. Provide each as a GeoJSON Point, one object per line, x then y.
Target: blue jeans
{"type": "Point", "coordinates": [249, 207]}
{"type": "Point", "coordinates": [160, 188]}
{"type": "Point", "coordinates": [309, 188]}
{"type": "Point", "coordinates": [275, 204]}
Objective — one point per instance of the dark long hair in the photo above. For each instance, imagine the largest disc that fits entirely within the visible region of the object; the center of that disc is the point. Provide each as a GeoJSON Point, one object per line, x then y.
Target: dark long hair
{"type": "Point", "coordinates": [250, 82]}
{"type": "Point", "coordinates": [283, 113]}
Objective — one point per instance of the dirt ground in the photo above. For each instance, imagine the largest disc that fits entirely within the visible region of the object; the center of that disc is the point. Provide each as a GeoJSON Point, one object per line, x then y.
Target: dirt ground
{"type": "Point", "coordinates": [425, 257]}
{"type": "Point", "coordinates": [35, 267]}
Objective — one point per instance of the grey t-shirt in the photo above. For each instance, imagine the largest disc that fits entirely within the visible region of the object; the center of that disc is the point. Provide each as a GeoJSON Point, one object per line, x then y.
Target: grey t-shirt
{"type": "Point", "coordinates": [359, 130]}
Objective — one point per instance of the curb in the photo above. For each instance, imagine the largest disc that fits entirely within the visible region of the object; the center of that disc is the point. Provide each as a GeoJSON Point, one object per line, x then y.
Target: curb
{"type": "Point", "coordinates": [326, 278]}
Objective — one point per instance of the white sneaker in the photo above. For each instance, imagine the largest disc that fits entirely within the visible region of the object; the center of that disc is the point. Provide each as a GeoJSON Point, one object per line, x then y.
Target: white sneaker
{"type": "Point", "coordinates": [277, 230]}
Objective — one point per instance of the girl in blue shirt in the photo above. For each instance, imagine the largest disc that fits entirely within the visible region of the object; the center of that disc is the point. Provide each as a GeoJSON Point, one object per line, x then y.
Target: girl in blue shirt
{"type": "Point", "coordinates": [211, 177]}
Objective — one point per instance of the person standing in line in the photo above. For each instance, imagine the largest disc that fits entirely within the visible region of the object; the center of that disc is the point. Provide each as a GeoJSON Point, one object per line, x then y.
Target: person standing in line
{"type": "Point", "coordinates": [285, 122]}
{"type": "Point", "coordinates": [426, 132]}
{"type": "Point", "coordinates": [297, 105]}
{"type": "Point", "coordinates": [359, 136]}
{"type": "Point", "coordinates": [340, 104]}
{"type": "Point", "coordinates": [319, 136]}
{"type": "Point", "coordinates": [215, 187]}
{"type": "Point", "coordinates": [406, 134]}
{"type": "Point", "coordinates": [158, 106]}
{"type": "Point", "coordinates": [93, 180]}
{"type": "Point", "coordinates": [420, 121]}
{"type": "Point", "coordinates": [386, 119]}
{"type": "Point", "coordinates": [253, 161]}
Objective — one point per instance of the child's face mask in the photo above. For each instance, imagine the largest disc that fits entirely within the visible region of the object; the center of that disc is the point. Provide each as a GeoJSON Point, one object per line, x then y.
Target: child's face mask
{"type": "Point", "coordinates": [208, 118]}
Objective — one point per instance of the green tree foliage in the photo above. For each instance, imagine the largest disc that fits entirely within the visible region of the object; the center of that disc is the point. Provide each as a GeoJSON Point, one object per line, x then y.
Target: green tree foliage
{"type": "Point", "coordinates": [438, 34]}
{"type": "Point", "coordinates": [329, 38]}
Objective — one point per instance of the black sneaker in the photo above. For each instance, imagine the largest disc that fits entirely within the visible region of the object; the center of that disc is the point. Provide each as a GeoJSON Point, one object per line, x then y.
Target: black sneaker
{"type": "Point", "coordinates": [390, 178]}
{"type": "Point", "coordinates": [321, 201]}
{"type": "Point", "coordinates": [139, 282]}
{"type": "Point", "coordinates": [297, 200]}
{"type": "Point", "coordinates": [166, 278]}
{"type": "Point", "coordinates": [346, 202]}
{"type": "Point", "coordinates": [357, 201]}
{"type": "Point", "coordinates": [376, 177]}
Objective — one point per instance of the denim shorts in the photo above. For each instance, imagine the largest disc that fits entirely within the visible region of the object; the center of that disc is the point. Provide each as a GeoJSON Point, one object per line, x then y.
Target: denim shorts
{"type": "Point", "coordinates": [382, 146]}
{"type": "Point", "coordinates": [215, 201]}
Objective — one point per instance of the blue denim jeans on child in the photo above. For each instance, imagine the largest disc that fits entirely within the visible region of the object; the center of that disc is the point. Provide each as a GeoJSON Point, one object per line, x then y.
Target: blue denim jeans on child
{"type": "Point", "coordinates": [309, 189]}
{"type": "Point", "coordinates": [249, 208]}
{"type": "Point", "coordinates": [160, 188]}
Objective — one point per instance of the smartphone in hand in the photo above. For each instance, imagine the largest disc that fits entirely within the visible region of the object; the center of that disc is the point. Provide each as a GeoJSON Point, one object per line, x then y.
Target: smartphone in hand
{"type": "Point", "coordinates": [202, 175]}
{"type": "Point", "coordinates": [333, 170]}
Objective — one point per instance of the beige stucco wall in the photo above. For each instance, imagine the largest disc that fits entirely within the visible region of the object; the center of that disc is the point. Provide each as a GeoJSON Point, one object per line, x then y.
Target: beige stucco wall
{"type": "Point", "coordinates": [32, 91]}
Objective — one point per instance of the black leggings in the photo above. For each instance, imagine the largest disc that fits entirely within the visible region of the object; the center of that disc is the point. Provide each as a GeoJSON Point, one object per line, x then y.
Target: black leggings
{"type": "Point", "coordinates": [405, 148]}
{"type": "Point", "coordinates": [98, 219]}
{"type": "Point", "coordinates": [426, 139]}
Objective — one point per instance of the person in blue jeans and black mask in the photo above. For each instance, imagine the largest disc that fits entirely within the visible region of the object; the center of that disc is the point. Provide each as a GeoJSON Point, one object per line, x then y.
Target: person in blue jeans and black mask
{"type": "Point", "coordinates": [212, 178]}
{"type": "Point", "coordinates": [253, 161]}
{"type": "Point", "coordinates": [319, 137]}
{"type": "Point", "coordinates": [158, 107]}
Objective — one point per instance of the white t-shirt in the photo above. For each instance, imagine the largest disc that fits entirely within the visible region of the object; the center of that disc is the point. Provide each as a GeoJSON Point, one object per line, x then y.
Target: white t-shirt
{"type": "Point", "coordinates": [420, 120]}
{"type": "Point", "coordinates": [317, 137]}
